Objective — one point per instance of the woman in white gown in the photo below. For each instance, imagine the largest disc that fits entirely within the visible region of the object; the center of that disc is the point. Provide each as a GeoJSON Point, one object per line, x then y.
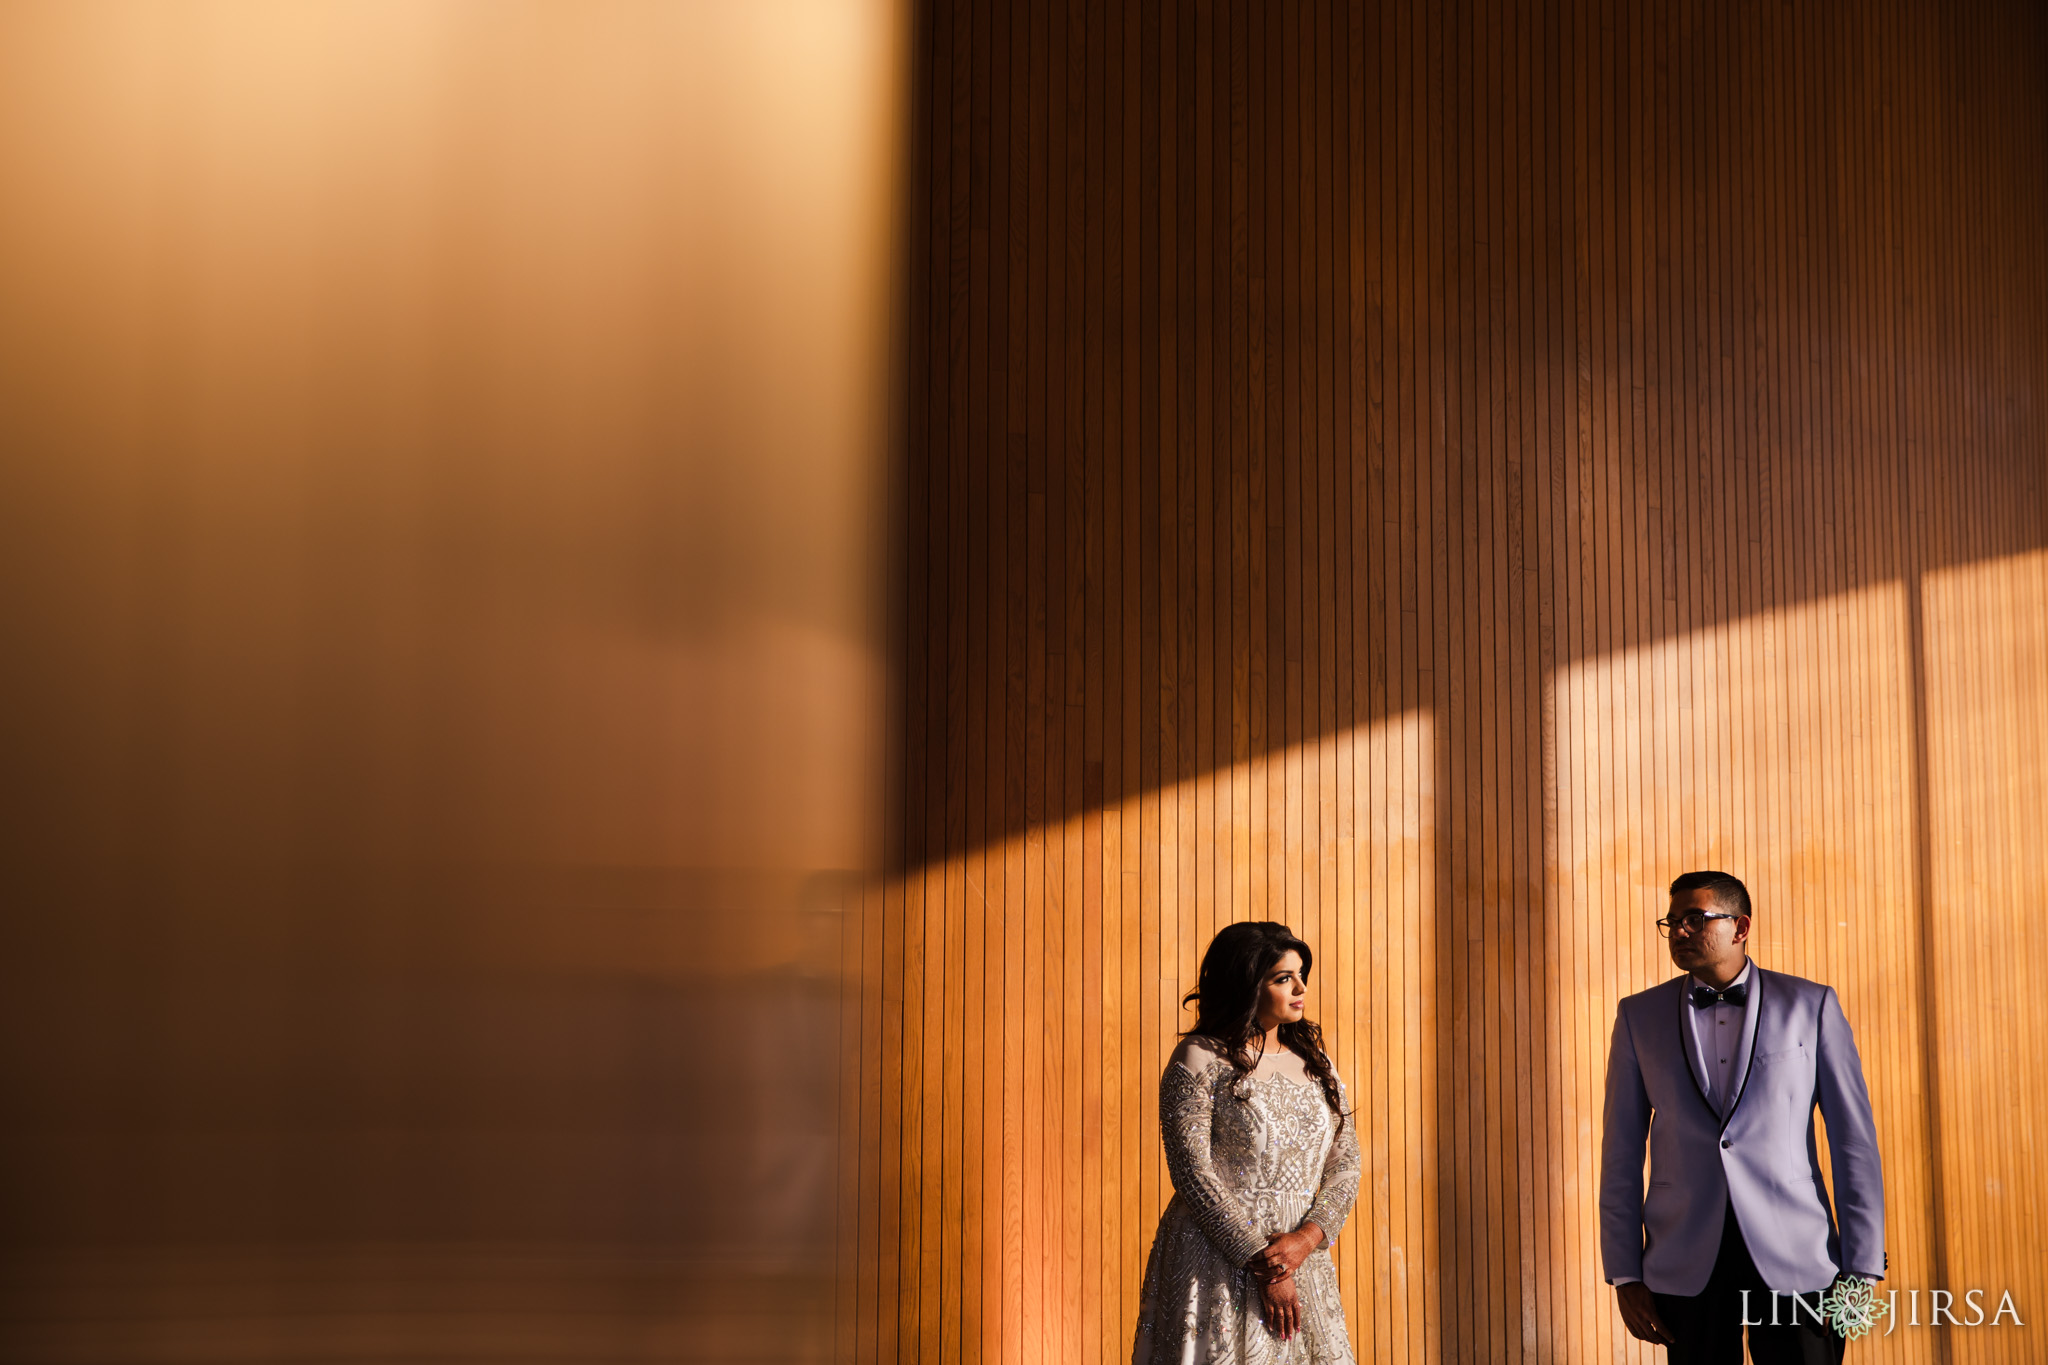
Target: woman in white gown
{"type": "Point", "coordinates": [1264, 1161]}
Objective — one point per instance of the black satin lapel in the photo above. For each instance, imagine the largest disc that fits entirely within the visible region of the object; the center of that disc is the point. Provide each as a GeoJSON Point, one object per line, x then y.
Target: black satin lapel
{"type": "Point", "coordinates": [1753, 1027]}
{"type": "Point", "coordinates": [1686, 1047]}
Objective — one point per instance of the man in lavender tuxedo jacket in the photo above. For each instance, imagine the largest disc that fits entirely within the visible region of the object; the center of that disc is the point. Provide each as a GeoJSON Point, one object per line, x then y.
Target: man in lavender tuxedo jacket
{"type": "Point", "coordinates": [1720, 1070]}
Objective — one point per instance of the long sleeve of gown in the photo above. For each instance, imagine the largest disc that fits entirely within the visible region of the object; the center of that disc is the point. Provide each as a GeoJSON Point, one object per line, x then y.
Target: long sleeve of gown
{"type": "Point", "coordinates": [1339, 1186]}
{"type": "Point", "coordinates": [1185, 1103]}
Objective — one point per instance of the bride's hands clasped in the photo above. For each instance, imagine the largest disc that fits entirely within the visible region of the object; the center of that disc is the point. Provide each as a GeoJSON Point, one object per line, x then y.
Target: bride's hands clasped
{"type": "Point", "coordinates": [1281, 1306]}
{"type": "Point", "coordinates": [1285, 1251]}
{"type": "Point", "coordinates": [1274, 1267]}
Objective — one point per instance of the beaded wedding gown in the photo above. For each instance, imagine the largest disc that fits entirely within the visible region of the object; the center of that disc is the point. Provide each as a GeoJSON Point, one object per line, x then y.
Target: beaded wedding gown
{"type": "Point", "coordinates": [1249, 1156]}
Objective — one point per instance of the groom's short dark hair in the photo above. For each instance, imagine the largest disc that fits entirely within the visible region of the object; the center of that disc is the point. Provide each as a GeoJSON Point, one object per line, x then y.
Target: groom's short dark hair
{"type": "Point", "coordinates": [1727, 891]}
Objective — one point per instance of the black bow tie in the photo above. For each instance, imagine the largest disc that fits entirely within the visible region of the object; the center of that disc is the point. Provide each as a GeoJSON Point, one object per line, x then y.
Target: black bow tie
{"type": "Point", "coordinates": [1703, 996]}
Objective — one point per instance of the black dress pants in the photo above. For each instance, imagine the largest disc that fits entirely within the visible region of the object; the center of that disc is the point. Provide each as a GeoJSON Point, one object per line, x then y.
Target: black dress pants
{"type": "Point", "coordinates": [1709, 1324]}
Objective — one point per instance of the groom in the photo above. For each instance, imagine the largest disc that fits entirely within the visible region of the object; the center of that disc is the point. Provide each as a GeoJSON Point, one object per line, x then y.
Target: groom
{"type": "Point", "coordinates": [1720, 1070]}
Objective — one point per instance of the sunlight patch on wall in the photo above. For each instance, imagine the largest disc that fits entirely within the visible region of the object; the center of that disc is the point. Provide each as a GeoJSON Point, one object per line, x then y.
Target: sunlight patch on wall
{"type": "Point", "coordinates": [1986, 633]}
{"type": "Point", "coordinates": [1778, 748]}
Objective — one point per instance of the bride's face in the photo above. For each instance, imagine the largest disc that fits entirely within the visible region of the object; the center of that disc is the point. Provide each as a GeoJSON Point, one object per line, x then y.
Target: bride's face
{"type": "Point", "coordinates": [1284, 993]}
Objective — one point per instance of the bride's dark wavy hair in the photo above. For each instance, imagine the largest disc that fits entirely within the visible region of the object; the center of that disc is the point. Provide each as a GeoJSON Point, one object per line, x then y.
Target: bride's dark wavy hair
{"type": "Point", "coordinates": [1226, 1000]}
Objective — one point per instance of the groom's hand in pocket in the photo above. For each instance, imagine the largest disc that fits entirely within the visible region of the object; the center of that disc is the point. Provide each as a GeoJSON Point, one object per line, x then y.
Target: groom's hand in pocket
{"type": "Point", "coordinates": [1639, 1311]}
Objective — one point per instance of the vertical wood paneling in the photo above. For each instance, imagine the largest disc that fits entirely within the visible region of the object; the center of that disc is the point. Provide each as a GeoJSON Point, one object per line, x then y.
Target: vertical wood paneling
{"type": "Point", "coordinates": [1430, 474]}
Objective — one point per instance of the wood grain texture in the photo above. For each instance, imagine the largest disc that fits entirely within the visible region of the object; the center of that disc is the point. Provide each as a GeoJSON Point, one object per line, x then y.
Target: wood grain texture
{"type": "Point", "coordinates": [1430, 474]}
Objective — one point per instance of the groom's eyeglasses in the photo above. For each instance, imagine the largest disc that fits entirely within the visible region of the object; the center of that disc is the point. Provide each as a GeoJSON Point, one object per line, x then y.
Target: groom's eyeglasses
{"type": "Point", "coordinates": [1692, 921]}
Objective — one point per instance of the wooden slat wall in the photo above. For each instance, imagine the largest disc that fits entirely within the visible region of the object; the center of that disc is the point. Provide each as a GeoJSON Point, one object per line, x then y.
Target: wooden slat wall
{"type": "Point", "coordinates": [1430, 473]}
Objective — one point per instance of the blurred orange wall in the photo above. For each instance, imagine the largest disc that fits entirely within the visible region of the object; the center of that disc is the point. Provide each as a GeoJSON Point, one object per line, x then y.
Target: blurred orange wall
{"type": "Point", "coordinates": [441, 477]}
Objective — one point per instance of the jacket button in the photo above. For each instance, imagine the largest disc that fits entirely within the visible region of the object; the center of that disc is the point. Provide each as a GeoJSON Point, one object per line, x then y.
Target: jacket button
{"type": "Point", "coordinates": [1726, 1143]}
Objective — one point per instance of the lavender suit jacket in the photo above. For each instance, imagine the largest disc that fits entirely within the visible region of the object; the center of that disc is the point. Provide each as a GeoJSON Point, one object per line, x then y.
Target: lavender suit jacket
{"type": "Point", "coordinates": [1796, 1051]}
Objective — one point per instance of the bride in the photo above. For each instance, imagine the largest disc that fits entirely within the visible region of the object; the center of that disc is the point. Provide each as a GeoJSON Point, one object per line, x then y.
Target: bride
{"type": "Point", "coordinates": [1264, 1161]}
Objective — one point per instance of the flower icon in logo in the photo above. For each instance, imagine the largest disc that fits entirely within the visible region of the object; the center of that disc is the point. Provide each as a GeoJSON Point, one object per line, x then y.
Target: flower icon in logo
{"type": "Point", "coordinates": [1852, 1307]}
